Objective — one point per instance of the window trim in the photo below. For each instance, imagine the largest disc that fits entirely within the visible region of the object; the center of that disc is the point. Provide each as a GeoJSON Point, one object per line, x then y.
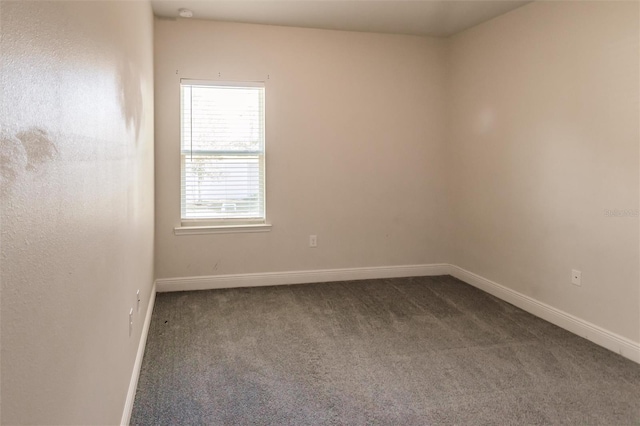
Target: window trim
{"type": "Point", "coordinates": [221, 229]}
{"type": "Point", "coordinates": [223, 225]}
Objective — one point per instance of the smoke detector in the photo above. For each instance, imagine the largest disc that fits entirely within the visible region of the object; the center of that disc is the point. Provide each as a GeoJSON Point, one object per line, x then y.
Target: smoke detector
{"type": "Point", "coordinates": [185, 13]}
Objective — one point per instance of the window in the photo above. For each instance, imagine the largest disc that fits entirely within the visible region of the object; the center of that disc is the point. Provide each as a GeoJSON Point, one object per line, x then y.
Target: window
{"type": "Point", "coordinates": [222, 153]}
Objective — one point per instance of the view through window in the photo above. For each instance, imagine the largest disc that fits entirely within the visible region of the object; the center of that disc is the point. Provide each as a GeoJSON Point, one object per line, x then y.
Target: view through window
{"type": "Point", "coordinates": [222, 151]}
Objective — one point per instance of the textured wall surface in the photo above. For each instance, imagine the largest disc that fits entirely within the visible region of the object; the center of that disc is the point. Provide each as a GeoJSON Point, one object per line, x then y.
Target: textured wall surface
{"type": "Point", "coordinates": [542, 106]}
{"type": "Point", "coordinates": [355, 141]}
{"type": "Point", "coordinates": [76, 158]}
{"type": "Point", "coordinates": [543, 145]}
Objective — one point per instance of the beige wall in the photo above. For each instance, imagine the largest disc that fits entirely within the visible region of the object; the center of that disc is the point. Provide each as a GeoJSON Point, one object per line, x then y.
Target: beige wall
{"type": "Point", "coordinates": [355, 133]}
{"type": "Point", "coordinates": [76, 157]}
{"type": "Point", "coordinates": [543, 138]}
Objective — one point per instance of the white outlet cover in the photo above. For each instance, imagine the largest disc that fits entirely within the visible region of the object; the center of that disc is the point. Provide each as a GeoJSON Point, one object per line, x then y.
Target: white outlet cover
{"type": "Point", "coordinates": [576, 277]}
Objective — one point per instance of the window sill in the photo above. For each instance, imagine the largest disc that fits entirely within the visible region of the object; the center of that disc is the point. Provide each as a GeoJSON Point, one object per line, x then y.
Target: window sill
{"type": "Point", "coordinates": [221, 229]}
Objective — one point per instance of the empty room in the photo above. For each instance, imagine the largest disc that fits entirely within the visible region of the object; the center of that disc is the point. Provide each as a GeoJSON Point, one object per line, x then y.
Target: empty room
{"type": "Point", "coordinates": [317, 212]}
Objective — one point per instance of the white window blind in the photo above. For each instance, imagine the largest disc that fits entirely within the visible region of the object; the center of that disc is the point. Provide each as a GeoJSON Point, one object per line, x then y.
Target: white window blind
{"type": "Point", "coordinates": [222, 151]}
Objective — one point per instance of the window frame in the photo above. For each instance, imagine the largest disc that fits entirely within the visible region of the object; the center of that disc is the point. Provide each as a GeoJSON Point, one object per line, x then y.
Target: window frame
{"type": "Point", "coordinates": [194, 226]}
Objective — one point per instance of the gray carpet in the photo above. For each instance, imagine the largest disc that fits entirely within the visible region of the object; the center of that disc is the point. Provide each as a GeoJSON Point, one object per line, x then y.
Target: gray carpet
{"type": "Point", "coordinates": [428, 350]}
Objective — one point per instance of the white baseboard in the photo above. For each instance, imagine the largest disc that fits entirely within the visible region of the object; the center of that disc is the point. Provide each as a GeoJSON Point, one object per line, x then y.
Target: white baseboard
{"type": "Point", "coordinates": [298, 277]}
{"type": "Point", "coordinates": [612, 341]}
{"type": "Point", "coordinates": [133, 383]}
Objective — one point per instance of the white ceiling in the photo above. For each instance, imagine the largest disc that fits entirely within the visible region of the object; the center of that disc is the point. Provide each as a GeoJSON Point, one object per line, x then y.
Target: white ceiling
{"type": "Point", "coordinates": [439, 18]}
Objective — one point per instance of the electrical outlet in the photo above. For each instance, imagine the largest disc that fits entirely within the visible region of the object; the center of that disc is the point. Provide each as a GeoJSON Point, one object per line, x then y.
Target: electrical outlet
{"type": "Point", "coordinates": [313, 241]}
{"type": "Point", "coordinates": [138, 301]}
{"type": "Point", "coordinates": [130, 322]}
{"type": "Point", "coordinates": [576, 277]}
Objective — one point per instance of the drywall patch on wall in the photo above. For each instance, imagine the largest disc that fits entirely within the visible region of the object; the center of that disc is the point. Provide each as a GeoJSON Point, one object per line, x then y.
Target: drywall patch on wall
{"type": "Point", "coordinates": [23, 152]}
{"type": "Point", "coordinates": [38, 145]}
